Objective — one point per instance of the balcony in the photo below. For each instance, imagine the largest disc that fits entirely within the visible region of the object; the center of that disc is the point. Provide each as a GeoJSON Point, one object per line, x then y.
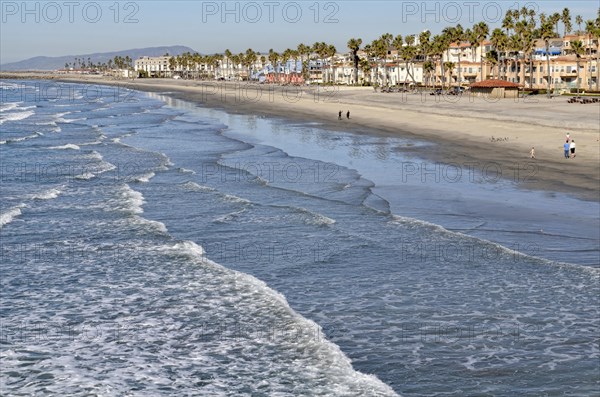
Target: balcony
{"type": "Point", "coordinates": [572, 73]}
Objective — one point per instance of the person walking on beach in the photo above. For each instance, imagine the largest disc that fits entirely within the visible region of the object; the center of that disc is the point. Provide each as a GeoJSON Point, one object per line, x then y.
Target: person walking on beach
{"type": "Point", "coordinates": [532, 152]}
{"type": "Point", "coordinates": [340, 115]}
{"type": "Point", "coordinates": [572, 147]}
{"type": "Point", "coordinates": [568, 137]}
{"type": "Point", "coordinates": [348, 115]}
{"type": "Point", "coordinates": [567, 146]}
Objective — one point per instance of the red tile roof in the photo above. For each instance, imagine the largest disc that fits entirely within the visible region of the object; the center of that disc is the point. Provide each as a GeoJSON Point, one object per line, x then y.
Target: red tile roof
{"type": "Point", "coordinates": [494, 83]}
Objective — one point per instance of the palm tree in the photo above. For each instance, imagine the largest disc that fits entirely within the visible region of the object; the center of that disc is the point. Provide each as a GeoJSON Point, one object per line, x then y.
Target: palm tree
{"type": "Point", "coordinates": [546, 33]}
{"type": "Point", "coordinates": [196, 60]}
{"type": "Point", "coordinates": [425, 44]}
{"type": "Point", "coordinates": [515, 44]}
{"type": "Point", "coordinates": [443, 45]}
{"type": "Point", "coordinates": [236, 59]}
{"type": "Point", "coordinates": [449, 66]}
{"type": "Point", "coordinates": [590, 26]}
{"type": "Point", "coordinates": [330, 53]}
{"type": "Point", "coordinates": [555, 18]}
{"type": "Point", "coordinates": [365, 66]}
{"type": "Point", "coordinates": [304, 51]}
{"type": "Point", "coordinates": [528, 49]}
{"type": "Point", "coordinates": [508, 23]}
{"type": "Point", "coordinates": [428, 68]}
{"type": "Point", "coordinates": [228, 56]}
{"type": "Point", "coordinates": [172, 64]}
{"type": "Point", "coordinates": [593, 30]}
{"type": "Point", "coordinates": [273, 59]}
{"type": "Point", "coordinates": [579, 21]}
{"type": "Point", "coordinates": [448, 36]}
{"type": "Point", "coordinates": [458, 35]}
{"type": "Point", "coordinates": [481, 30]}
{"type": "Point", "coordinates": [492, 58]}
{"type": "Point", "coordinates": [471, 38]}
{"type": "Point", "coordinates": [499, 41]}
{"type": "Point", "coordinates": [437, 51]}
{"type": "Point", "coordinates": [566, 20]}
{"type": "Point", "coordinates": [578, 50]}
{"type": "Point", "coordinates": [354, 46]}
{"type": "Point", "coordinates": [408, 53]}
{"type": "Point", "coordinates": [398, 44]}
{"type": "Point", "coordinates": [249, 60]}
{"type": "Point", "coordinates": [382, 47]}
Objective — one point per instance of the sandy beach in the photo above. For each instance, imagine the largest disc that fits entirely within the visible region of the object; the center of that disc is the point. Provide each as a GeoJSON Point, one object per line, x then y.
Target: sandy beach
{"type": "Point", "coordinates": [491, 135]}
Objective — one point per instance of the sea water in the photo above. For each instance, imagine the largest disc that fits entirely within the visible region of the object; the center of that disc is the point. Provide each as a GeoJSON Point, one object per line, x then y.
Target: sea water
{"type": "Point", "coordinates": [150, 246]}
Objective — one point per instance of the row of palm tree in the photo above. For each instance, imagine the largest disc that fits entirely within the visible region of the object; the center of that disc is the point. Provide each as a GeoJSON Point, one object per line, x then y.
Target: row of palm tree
{"type": "Point", "coordinates": [190, 64]}
{"type": "Point", "coordinates": [513, 44]}
{"type": "Point", "coordinates": [512, 47]}
{"type": "Point", "coordinates": [118, 62]}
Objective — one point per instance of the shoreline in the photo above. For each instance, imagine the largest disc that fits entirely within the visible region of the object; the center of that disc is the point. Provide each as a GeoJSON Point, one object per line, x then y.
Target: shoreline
{"type": "Point", "coordinates": [463, 140]}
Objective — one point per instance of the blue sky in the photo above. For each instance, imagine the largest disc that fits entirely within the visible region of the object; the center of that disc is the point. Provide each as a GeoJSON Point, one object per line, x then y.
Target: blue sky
{"type": "Point", "coordinates": [79, 27]}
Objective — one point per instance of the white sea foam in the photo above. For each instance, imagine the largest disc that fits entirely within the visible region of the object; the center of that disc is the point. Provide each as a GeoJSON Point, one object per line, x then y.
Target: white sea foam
{"type": "Point", "coordinates": [5, 107]}
{"type": "Point", "coordinates": [22, 138]}
{"type": "Point", "coordinates": [261, 180]}
{"type": "Point", "coordinates": [93, 155]}
{"type": "Point", "coordinates": [63, 120]}
{"type": "Point", "coordinates": [132, 200]}
{"type": "Point", "coordinates": [229, 217]}
{"type": "Point", "coordinates": [145, 178]}
{"type": "Point", "coordinates": [185, 171]}
{"type": "Point", "coordinates": [155, 226]}
{"type": "Point", "coordinates": [8, 86]}
{"type": "Point", "coordinates": [93, 143]}
{"type": "Point", "coordinates": [85, 176]}
{"type": "Point", "coordinates": [193, 186]}
{"type": "Point", "coordinates": [308, 335]}
{"type": "Point", "coordinates": [8, 216]}
{"type": "Point", "coordinates": [68, 146]}
{"type": "Point", "coordinates": [15, 116]}
{"type": "Point", "coordinates": [235, 199]}
{"type": "Point", "coordinates": [46, 195]}
{"type": "Point", "coordinates": [189, 247]}
{"type": "Point", "coordinates": [314, 218]}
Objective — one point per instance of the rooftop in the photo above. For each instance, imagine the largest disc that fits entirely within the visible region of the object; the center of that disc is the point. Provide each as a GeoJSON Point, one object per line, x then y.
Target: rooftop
{"type": "Point", "coordinates": [495, 83]}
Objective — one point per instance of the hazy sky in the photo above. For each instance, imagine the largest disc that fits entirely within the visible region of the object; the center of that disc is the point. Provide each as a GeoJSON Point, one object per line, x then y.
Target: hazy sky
{"type": "Point", "coordinates": [66, 27]}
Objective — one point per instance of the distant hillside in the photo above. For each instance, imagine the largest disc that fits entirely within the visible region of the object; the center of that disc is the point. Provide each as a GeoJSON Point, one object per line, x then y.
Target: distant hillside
{"type": "Point", "coordinates": [53, 63]}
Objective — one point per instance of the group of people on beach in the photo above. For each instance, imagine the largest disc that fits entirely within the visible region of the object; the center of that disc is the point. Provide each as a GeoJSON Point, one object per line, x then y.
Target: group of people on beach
{"type": "Point", "coordinates": [569, 147]}
{"type": "Point", "coordinates": [340, 115]}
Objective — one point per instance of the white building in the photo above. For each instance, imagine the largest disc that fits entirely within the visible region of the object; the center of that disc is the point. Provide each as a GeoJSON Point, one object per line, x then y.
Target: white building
{"type": "Point", "coordinates": [154, 66]}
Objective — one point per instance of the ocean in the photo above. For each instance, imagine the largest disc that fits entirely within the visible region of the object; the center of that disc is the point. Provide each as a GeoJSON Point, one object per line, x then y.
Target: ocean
{"type": "Point", "coordinates": [151, 246]}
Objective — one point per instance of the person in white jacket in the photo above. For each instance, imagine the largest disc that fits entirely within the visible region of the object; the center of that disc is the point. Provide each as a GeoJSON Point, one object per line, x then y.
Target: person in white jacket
{"type": "Point", "coordinates": [572, 147]}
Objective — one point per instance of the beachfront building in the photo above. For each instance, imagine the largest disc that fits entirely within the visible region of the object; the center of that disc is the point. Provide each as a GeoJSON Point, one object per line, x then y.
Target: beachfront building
{"type": "Point", "coordinates": [288, 73]}
{"type": "Point", "coordinates": [495, 89]}
{"type": "Point", "coordinates": [530, 70]}
{"type": "Point", "coordinates": [153, 66]}
{"type": "Point", "coordinates": [400, 74]}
